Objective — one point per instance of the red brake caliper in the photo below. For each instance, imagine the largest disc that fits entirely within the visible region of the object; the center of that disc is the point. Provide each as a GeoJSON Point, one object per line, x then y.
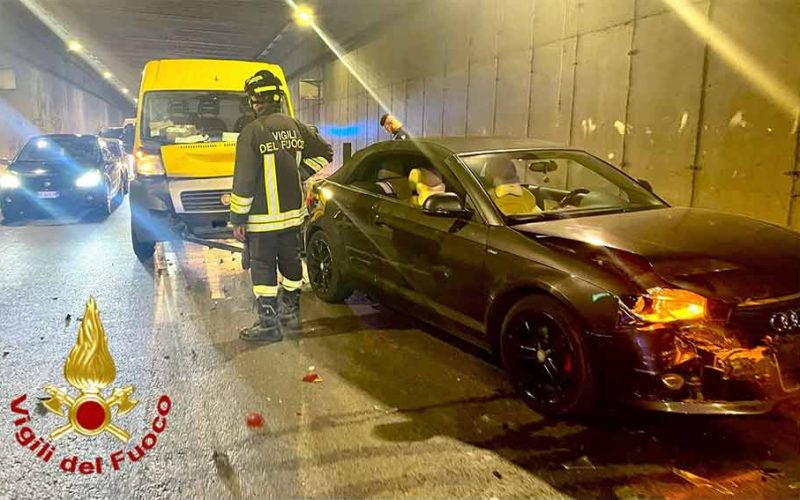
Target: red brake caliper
{"type": "Point", "coordinates": [568, 364]}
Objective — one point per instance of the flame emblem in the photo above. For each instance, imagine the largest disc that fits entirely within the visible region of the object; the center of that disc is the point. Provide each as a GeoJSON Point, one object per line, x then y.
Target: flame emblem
{"type": "Point", "coordinates": [90, 369]}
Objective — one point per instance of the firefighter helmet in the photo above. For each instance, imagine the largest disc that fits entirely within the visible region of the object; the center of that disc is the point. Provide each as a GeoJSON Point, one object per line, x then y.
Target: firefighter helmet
{"type": "Point", "coordinates": [264, 86]}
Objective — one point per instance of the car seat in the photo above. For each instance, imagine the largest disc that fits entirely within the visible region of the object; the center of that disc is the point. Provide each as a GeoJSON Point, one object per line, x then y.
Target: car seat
{"type": "Point", "coordinates": [208, 119]}
{"type": "Point", "coordinates": [424, 183]}
{"type": "Point", "coordinates": [179, 112]}
{"type": "Point", "coordinates": [504, 187]}
{"type": "Point", "coordinates": [393, 181]}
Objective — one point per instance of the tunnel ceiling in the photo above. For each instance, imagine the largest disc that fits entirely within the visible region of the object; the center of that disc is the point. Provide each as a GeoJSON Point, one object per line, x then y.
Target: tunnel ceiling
{"type": "Point", "coordinates": [124, 35]}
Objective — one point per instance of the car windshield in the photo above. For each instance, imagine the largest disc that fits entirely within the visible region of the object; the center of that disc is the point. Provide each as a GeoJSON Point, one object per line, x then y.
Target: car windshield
{"type": "Point", "coordinates": [78, 149]}
{"type": "Point", "coordinates": [533, 185]}
{"type": "Point", "coordinates": [174, 117]}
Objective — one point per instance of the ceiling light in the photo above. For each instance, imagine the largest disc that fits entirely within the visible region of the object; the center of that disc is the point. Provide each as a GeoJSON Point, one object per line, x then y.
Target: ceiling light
{"type": "Point", "coordinates": [107, 75]}
{"type": "Point", "coordinates": [125, 91]}
{"type": "Point", "coordinates": [74, 46]}
{"type": "Point", "coordinates": [304, 16]}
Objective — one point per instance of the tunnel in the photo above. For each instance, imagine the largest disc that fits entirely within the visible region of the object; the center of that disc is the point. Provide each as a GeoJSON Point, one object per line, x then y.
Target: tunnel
{"type": "Point", "coordinates": [488, 248]}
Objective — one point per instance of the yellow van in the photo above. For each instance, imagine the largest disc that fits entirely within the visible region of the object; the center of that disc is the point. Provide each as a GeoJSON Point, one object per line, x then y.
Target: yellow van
{"type": "Point", "coordinates": [190, 112]}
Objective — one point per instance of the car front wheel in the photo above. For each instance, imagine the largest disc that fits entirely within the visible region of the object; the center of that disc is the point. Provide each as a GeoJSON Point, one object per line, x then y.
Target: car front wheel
{"type": "Point", "coordinates": [325, 270]}
{"type": "Point", "coordinates": [546, 357]}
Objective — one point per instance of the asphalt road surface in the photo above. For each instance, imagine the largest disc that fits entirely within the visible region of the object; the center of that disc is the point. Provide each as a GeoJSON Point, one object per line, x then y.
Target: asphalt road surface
{"type": "Point", "coordinates": [402, 411]}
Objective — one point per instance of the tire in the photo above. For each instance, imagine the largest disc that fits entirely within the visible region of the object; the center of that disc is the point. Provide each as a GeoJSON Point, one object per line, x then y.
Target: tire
{"type": "Point", "coordinates": [104, 209]}
{"type": "Point", "coordinates": [11, 216]}
{"type": "Point", "coordinates": [144, 250]}
{"type": "Point", "coordinates": [126, 185]}
{"type": "Point", "coordinates": [325, 271]}
{"type": "Point", "coordinates": [546, 357]}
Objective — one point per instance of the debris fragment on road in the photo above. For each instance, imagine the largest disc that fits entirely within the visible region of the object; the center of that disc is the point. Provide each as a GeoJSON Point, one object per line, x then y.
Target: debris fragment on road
{"type": "Point", "coordinates": [582, 463]}
{"type": "Point", "coordinates": [312, 377]}
{"type": "Point", "coordinates": [497, 474]}
{"type": "Point", "coordinates": [700, 481]}
{"type": "Point", "coordinates": [67, 320]}
{"type": "Point", "coordinates": [223, 464]}
{"type": "Point", "coordinates": [254, 419]}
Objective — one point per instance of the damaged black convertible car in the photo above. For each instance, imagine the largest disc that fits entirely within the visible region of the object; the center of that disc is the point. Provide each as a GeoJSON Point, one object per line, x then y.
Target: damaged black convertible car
{"type": "Point", "coordinates": [587, 285]}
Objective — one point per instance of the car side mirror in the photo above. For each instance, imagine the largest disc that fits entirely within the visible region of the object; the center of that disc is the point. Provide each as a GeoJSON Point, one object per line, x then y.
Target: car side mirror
{"type": "Point", "coordinates": [445, 205]}
{"type": "Point", "coordinates": [646, 184]}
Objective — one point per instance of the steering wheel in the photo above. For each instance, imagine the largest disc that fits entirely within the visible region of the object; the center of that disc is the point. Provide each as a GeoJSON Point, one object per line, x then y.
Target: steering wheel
{"type": "Point", "coordinates": [569, 197]}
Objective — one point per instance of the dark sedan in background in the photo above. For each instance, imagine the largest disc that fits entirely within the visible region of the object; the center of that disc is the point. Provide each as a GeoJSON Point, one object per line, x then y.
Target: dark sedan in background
{"type": "Point", "coordinates": [587, 285]}
{"type": "Point", "coordinates": [63, 172]}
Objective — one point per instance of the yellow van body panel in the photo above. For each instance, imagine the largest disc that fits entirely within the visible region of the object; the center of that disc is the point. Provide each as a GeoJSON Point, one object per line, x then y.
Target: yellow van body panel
{"type": "Point", "coordinates": [200, 160]}
{"type": "Point", "coordinates": [210, 159]}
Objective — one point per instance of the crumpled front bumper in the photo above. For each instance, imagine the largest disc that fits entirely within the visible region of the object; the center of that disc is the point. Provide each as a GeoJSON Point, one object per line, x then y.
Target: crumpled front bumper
{"type": "Point", "coordinates": [700, 368]}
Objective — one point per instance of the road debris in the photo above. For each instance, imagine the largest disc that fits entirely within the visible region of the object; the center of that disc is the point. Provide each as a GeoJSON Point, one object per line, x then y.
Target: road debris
{"type": "Point", "coordinates": [794, 486]}
{"type": "Point", "coordinates": [6, 353]}
{"type": "Point", "coordinates": [254, 420]}
{"type": "Point", "coordinates": [582, 463]}
{"type": "Point", "coordinates": [701, 482]}
{"type": "Point", "coordinates": [41, 409]}
{"type": "Point", "coordinates": [67, 320]}
{"type": "Point", "coordinates": [312, 377]}
{"type": "Point", "coordinates": [223, 464]}
{"type": "Point", "coordinates": [497, 474]}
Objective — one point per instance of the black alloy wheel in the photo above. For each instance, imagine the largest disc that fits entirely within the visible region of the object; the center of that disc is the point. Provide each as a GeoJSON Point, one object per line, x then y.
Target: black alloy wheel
{"type": "Point", "coordinates": [324, 270]}
{"type": "Point", "coordinates": [546, 358]}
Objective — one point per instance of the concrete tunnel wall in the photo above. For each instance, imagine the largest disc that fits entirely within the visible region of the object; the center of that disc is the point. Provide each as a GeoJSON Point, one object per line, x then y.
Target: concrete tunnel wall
{"type": "Point", "coordinates": [55, 92]}
{"type": "Point", "coordinates": [625, 79]}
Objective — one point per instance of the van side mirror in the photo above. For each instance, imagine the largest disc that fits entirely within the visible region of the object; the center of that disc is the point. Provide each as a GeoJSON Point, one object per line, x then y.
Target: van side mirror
{"type": "Point", "coordinates": [646, 184]}
{"type": "Point", "coordinates": [445, 205]}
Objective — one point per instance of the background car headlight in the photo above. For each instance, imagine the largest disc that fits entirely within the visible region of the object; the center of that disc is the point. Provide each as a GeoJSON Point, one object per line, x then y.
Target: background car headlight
{"type": "Point", "coordinates": [665, 305]}
{"type": "Point", "coordinates": [89, 179]}
{"type": "Point", "coordinates": [9, 181]}
{"type": "Point", "coordinates": [148, 164]}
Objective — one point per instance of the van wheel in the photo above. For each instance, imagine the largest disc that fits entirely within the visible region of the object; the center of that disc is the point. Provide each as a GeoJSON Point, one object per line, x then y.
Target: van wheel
{"type": "Point", "coordinates": [325, 270]}
{"type": "Point", "coordinates": [546, 357]}
{"type": "Point", "coordinates": [144, 250]}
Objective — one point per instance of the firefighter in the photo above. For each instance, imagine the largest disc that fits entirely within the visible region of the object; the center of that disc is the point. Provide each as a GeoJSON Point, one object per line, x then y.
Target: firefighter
{"type": "Point", "coordinates": [274, 154]}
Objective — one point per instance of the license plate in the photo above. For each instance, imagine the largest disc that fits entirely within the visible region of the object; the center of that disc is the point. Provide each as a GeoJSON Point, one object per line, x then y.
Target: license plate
{"type": "Point", "coordinates": [48, 194]}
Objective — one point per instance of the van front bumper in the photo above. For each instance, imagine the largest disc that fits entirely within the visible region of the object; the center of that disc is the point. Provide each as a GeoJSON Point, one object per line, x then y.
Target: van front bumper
{"type": "Point", "coordinates": [154, 217]}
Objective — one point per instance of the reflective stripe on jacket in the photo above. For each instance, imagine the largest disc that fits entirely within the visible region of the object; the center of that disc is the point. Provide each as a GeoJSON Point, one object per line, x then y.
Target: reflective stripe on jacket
{"type": "Point", "coordinates": [274, 154]}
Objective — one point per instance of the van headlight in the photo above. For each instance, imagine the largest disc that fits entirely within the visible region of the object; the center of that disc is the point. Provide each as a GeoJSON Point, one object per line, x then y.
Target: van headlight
{"type": "Point", "coordinates": [147, 164]}
{"type": "Point", "coordinates": [89, 179]}
{"type": "Point", "coordinates": [9, 181]}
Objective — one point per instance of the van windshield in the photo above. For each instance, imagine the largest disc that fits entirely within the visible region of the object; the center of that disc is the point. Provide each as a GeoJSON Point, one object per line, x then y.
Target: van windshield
{"type": "Point", "coordinates": [180, 117]}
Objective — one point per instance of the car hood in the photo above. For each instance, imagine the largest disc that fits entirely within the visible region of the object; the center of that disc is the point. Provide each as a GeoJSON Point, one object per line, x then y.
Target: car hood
{"type": "Point", "coordinates": [59, 168]}
{"type": "Point", "coordinates": [729, 257]}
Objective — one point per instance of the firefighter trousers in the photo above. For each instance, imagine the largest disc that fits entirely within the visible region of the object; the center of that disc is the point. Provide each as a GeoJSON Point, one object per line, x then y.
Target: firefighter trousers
{"type": "Point", "coordinates": [273, 251]}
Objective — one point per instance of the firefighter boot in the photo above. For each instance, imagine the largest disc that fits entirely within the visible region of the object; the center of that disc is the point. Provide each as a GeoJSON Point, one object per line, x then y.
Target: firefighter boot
{"type": "Point", "coordinates": [266, 329]}
{"type": "Point", "coordinates": [289, 309]}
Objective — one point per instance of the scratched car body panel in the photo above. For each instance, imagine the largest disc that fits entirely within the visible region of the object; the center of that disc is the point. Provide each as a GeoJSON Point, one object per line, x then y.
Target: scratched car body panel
{"type": "Point", "coordinates": [678, 309]}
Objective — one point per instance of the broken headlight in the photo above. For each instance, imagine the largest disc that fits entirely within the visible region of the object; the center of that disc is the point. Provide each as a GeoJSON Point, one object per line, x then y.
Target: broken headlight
{"type": "Point", "coordinates": [666, 305]}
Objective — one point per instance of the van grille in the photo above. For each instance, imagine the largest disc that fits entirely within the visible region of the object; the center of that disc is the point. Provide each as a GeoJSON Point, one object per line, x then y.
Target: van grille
{"type": "Point", "coordinates": [204, 201]}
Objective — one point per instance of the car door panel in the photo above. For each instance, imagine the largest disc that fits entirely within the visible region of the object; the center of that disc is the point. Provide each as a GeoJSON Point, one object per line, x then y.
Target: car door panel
{"type": "Point", "coordinates": [436, 261]}
{"type": "Point", "coordinates": [352, 209]}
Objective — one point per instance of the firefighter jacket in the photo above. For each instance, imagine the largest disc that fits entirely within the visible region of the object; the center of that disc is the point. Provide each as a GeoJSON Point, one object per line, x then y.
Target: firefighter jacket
{"type": "Point", "coordinates": [274, 154]}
